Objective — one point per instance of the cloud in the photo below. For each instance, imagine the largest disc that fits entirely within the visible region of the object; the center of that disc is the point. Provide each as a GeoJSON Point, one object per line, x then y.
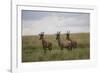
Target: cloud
{"type": "Point", "coordinates": [53, 22]}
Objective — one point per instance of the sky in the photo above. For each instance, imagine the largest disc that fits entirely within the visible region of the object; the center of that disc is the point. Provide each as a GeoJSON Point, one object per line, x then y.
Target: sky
{"type": "Point", "coordinates": [35, 22]}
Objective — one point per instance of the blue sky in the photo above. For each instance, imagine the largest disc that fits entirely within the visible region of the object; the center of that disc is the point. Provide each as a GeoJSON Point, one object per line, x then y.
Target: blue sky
{"type": "Point", "coordinates": [35, 22]}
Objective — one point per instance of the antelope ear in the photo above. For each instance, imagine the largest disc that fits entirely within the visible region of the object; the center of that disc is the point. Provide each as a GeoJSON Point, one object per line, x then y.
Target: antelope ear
{"type": "Point", "coordinates": [42, 32]}
{"type": "Point", "coordinates": [59, 32]}
{"type": "Point", "coordinates": [68, 31]}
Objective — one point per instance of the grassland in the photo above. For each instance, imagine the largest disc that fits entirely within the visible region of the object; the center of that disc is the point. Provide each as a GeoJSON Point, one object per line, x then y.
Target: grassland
{"type": "Point", "coordinates": [32, 50]}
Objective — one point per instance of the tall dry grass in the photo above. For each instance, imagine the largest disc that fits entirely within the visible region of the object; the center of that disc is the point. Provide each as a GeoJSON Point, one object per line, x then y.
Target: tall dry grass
{"type": "Point", "coordinates": [32, 50]}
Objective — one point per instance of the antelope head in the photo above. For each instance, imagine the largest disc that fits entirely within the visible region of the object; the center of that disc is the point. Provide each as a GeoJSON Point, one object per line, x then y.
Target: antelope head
{"type": "Point", "coordinates": [68, 35]}
{"type": "Point", "coordinates": [58, 35]}
{"type": "Point", "coordinates": [41, 35]}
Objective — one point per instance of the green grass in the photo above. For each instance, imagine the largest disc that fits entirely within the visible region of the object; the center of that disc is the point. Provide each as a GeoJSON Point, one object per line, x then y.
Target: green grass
{"type": "Point", "coordinates": [32, 50]}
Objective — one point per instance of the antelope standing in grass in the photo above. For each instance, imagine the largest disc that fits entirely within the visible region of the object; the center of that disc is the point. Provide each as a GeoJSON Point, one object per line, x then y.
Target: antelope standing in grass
{"type": "Point", "coordinates": [73, 42]}
{"type": "Point", "coordinates": [63, 44]}
{"type": "Point", "coordinates": [46, 45]}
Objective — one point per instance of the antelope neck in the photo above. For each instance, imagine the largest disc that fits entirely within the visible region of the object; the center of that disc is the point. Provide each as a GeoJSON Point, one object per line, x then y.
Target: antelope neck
{"type": "Point", "coordinates": [43, 41]}
{"type": "Point", "coordinates": [68, 39]}
{"type": "Point", "coordinates": [59, 41]}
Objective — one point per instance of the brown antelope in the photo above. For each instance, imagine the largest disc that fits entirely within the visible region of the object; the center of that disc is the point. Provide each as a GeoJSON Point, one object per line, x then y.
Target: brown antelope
{"type": "Point", "coordinates": [63, 44]}
{"type": "Point", "coordinates": [73, 42]}
{"type": "Point", "coordinates": [45, 43]}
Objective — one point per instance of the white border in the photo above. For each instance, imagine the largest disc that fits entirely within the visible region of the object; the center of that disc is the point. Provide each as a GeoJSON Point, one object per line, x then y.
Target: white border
{"type": "Point", "coordinates": [17, 66]}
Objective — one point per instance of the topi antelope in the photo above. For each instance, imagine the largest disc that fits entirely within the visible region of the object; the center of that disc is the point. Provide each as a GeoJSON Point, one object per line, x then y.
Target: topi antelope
{"type": "Point", "coordinates": [73, 42]}
{"type": "Point", "coordinates": [63, 44]}
{"type": "Point", "coordinates": [45, 43]}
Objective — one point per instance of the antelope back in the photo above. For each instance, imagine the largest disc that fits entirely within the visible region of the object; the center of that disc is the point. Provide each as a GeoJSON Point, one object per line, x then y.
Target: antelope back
{"type": "Point", "coordinates": [65, 43]}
